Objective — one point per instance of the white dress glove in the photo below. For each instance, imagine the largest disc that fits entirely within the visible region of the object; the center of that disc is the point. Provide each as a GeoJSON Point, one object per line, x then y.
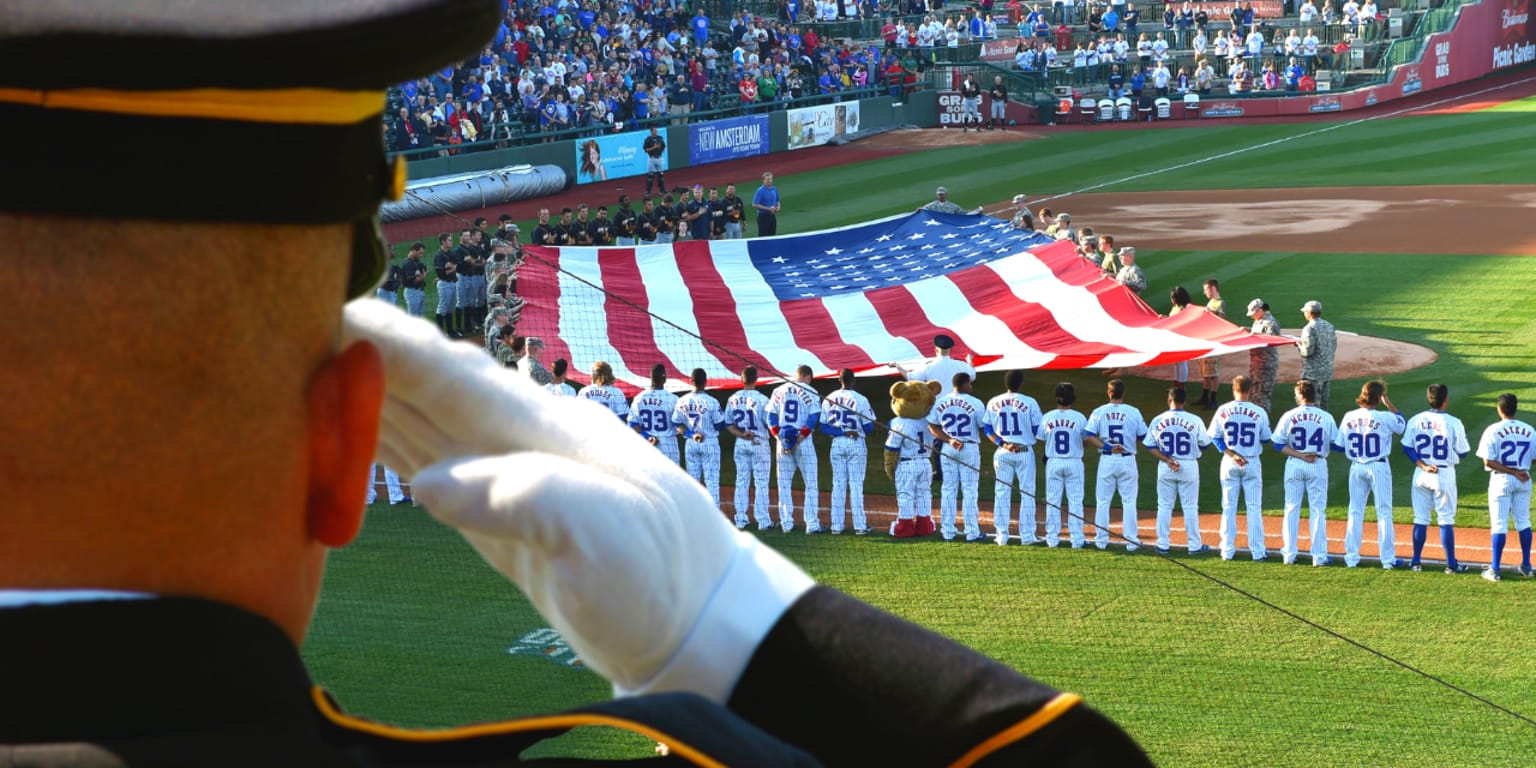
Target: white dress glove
{"type": "Point", "coordinates": [616, 546]}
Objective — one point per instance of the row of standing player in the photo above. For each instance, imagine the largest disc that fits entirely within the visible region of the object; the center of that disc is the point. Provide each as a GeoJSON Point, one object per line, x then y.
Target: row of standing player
{"type": "Point", "coordinates": [694, 214]}
{"type": "Point", "coordinates": [1306, 435]}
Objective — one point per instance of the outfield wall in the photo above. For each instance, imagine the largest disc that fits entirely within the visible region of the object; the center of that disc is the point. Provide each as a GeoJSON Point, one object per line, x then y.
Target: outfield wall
{"type": "Point", "coordinates": [688, 145]}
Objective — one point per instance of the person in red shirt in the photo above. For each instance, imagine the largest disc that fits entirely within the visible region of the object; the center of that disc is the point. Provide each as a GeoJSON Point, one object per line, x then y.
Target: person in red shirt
{"type": "Point", "coordinates": [811, 41]}
{"type": "Point", "coordinates": [1064, 38]}
{"type": "Point", "coordinates": [1015, 11]}
{"type": "Point", "coordinates": [889, 32]}
{"type": "Point", "coordinates": [748, 88]}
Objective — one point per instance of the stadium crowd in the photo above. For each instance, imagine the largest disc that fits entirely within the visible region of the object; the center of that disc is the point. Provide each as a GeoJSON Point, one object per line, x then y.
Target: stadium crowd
{"type": "Point", "coordinates": [613, 65]}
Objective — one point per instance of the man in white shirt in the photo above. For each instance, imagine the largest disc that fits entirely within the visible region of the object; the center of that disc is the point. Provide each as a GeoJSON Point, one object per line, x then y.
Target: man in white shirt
{"type": "Point", "coordinates": [1239, 429]}
{"type": "Point", "coordinates": [698, 419]}
{"type": "Point", "coordinates": [1435, 441]}
{"type": "Point", "coordinates": [957, 422]}
{"type": "Point", "coordinates": [793, 412]}
{"type": "Point", "coordinates": [1305, 434]}
{"type": "Point", "coordinates": [1115, 428]}
{"type": "Point", "coordinates": [849, 419]}
{"type": "Point", "coordinates": [941, 368]}
{"type": "Point", "coordinates": [1012, 420]}
{"type": "Point", "coordinates": [1507, 448]}
{"type": "Point", "coordinates": [1365, 438]}
{"type": "Point", "coordinates": [746, 416]}
{"type": "Point", "coordinates": [1061, 435]}
{"type": "Point", "coordinates": [1175, 438]}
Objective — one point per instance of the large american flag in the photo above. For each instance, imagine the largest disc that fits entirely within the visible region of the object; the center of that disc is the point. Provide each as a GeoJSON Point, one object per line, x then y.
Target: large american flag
{"type": "Point", "coordinates": [854, 297]}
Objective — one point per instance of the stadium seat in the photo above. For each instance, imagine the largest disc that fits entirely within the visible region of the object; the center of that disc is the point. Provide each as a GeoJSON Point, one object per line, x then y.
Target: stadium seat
{"type": "Point", "coordinates": [1106, 110]}
{"type": "Point", "coordinates": [1144, 109]}
{"type": "Point", "coordinates": [1164, 108]}
{"type": "Point", "coordinates": [1089, 109]}
{"type": "Point", "coordinates": [1191, 104]}
{"type": "Point", "coordinates": [1123, 108]}
{"type": "Point", "coordinates": [1064, 110]}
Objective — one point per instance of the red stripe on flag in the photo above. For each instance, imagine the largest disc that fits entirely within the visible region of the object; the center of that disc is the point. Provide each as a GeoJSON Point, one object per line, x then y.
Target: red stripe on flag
{"type": "Point", "coordinates": [538, 283]}
{"type": "Point", "coordinates": [714, 309]}
{"type": "Point", "coordinates": [816, 331]}
{"type": "Point", "coordinates": [1032, 323]}
{"type": "Point", "coordinates": [626, 308]}
{"type": "Point", "coordinates": [903, 316]}
{"type": "Point", "coordinates": [1118, 301]}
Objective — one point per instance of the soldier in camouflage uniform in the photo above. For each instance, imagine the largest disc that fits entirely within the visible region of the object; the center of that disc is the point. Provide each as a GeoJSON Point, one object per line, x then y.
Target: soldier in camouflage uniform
{"type": "Point", "coordinates": [498, 317]}
{"type": "Point", "coordinates": [1263, 362]}
{"type": "Point", "coordinates": [1317, 346]}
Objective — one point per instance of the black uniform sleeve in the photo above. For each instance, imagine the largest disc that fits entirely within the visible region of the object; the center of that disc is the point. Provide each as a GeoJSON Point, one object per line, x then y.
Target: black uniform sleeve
{"type": "Point", "coordinates": [834, 667]}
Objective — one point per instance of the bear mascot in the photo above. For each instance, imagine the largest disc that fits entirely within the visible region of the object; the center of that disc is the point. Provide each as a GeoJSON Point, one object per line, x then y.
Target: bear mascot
{"type": "Point", "coordinates": [908, 452]}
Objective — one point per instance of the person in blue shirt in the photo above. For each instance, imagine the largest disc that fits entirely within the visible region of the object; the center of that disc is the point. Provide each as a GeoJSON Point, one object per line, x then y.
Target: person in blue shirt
{"type": "Point", "coordinates": [766, 201]}
{"type": "Point", "coordinates": [642, 102]}
{"type": "Point", "coordinates": [700, 28]}
{"type": "Point", "coordinates": [793, 9]}
{"type": "Point", "coordinates": [1293, 75]}
{"type": "Point", "coordinates": [1138, 81]}
{"type": "Point", "coordinates": [1111, 21]}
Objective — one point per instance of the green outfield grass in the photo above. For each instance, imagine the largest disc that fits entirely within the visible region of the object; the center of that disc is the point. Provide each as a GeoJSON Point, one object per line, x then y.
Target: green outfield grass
{"type": "Point", "coordinates": [414, 629]}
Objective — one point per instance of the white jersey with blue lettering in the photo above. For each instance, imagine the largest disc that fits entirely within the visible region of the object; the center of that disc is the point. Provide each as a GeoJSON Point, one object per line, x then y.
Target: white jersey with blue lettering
{"type": "Point", "coordinates": [794, 405]}
{"type": "Point", "coordinates": [1509, 442]}
{"type": "Point", "coordinates": [559, 389]}
{"type": "Point", "coordinates": [651, 412]}
{"type": "Point", "coordinates": [1308, 429]}
{"type": "Point", "coordinates": [747, 411]}
{"type": "Point", "coordinates": [609, 396]}
{"type": "Point", "coordinates": [846, 411]}
{"type": "Point", "coordinates": [1061, 431]}
{"type": "Point", "coordinates": [698, 413]}
{"type": "Point", "coordinates": [1179, 434]}
{"type": "Point", "coordinates": [1365, 434]}
{"type": "Point", "coordinates": [961, 416]}
{"type": "Point", "coordinates": [911, 437]}
{"type": "Point", "coordinates": [1014, 417]}
{"type": "Point", "coordinates": [1437, 437]}
{"type": "Point", "coordinates": [1241, 427]}
{"type": "Point", "coordinates": [1117, 424]}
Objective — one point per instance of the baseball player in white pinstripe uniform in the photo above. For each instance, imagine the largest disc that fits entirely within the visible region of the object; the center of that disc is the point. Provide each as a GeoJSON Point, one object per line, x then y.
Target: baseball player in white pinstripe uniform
{"type": "Point", "coordinates": [698, 419]}
{"type": "Point", "coordinates": [1115, 428]}
{"type": "Point", "coordinates": [1507, 448]}
{"type": "Point", "coordinates": [1365, 438]}
{"type": "Point", "coordinates": [1012, 419]}
{"type": "Point", "coordinates": [650, 414]}
{"type": "Point", "coordinates": [957, 422]}
{"type": "Point", "coordinates": [1239, 429]}
{"type": "Point", "coordinates": [1175, 438]}
{"type": "Point", "coordinates": [793, 412]}
{"type": "Point", "coordinates": [746, 416]}
{"type": "Point", "coordinates": [1305, 434]}
{"type": "Point", "coordinates": [1061, 440]}
{"type": "Point", "coordinates": [1435, 441]}
{"type": "Point", "coordinates": [848, 418]}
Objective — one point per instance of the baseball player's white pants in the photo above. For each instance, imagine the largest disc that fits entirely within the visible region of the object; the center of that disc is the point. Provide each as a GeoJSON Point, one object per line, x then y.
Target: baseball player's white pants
{"type": "Point", "coordinates": [1183, 486]}
{"type": "Point", "coordinates": [850, 460]}
{"type": "Point", "coordinates": [999, 109]}
{"type": "Point", "coordinates": [1247, 480]}
{"type": "Point", "coordinates": [1508, 498]}
{"type": "Point", "coordinates": [914, 488]}
{"type": "Point", "coordinates": [1434, 491]}
{"type": "Point", "coordinates": [752, 462]}
{"type": "Point", "coordinates": [1064, 477]}
{"type": "Point", "coordinates": [391, 481]}
{"type": "Point", "coordinates": [1374, 480]}
{"type": "Point", "coordinates": [1311, 480]}
{"type": "Point", "coordinates": [802, 458]}
{"type": "Point", "coordinates": [970, 110]}
{"type": "Point", "coordinates": [962, 473]}
{"type": "Point", "coordinates": [1009, 468]}
{"type": "Point", "coordinates": [447, 297]}
{"type": "Point", "coordinates": [1117, 472]}
{"type": "Point", "coordinates": [704, 464]}
{"type": "Point", "coordinates": [667, 444]}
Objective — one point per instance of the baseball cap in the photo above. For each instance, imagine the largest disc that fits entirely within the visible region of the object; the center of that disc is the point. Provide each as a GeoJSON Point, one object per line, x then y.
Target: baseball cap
{"type": "Point", "coordinates": [1255, 305]}
{"type": "Point", "coordinates": [943, 341]}
{"type": "Point", "coordinates": [311, 148]}
{"type": "Point", "coordinates": [942, 191]}
{"type": "Point", "coordinates": [1313, 307]}
{"type": "Point", "coordinates": [1020, 199]}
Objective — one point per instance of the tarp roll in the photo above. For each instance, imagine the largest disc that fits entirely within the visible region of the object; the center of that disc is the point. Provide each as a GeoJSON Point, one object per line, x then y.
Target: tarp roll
{"type": "Point", "coordinates": [473, 191]}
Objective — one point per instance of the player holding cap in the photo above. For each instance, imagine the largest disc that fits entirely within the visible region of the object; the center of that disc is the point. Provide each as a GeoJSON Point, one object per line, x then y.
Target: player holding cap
{"type": "Point", "coordinates": [956, 422]}
{"type": "Point", "coordinates": [1012, 419]}
{"type": "Point", "coordinates": [698, 419]}
{"type": "Point", "coordinates": [1506, 449]}
{"type": "Point", "coordinates": [848, 419]}
{"type": "Point", "coordinates": [650, 414]}
{"type": "Point", "coordinates": [1365, 438]}
{"type": "Point", "coordinates": [1435, 441]}
{"type": "Point", "coordinates": [1239, 429]}
{"type": "Point", "coordinates": [746, 416]}
{"type": "Point", "coordinates": [1305, 434]}
{"type": "Point", "coordinates": [793, 412]}
{"type": "Point", "coordinates": [1061, 432]}
{"type": "Point", "coordinates": [1115, 428]}
{"type": "Point", "coordinates": [1175, 438]}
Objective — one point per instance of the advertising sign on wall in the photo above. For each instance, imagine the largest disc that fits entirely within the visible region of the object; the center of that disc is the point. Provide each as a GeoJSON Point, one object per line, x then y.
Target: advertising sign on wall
{"type": "Point", "coordinates": [730, 139]}
{"type": "Point", "coordinates": [814, 126]}
{"type": "Point", "coordinates": [612, 157]}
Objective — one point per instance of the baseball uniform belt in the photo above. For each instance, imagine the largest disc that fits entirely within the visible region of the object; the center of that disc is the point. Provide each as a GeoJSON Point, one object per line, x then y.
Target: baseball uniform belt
{"type": "Point", "coordinates": [1369, 461]}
